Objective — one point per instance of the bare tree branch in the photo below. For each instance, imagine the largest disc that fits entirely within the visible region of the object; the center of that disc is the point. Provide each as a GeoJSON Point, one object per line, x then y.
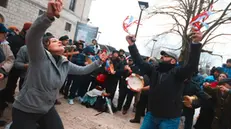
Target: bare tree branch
{"type": "Point", "coordinates": [219, 19]}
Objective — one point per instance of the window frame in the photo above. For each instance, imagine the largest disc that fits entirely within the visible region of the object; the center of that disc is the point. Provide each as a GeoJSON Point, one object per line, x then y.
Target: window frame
{"type": "Point", "coordinates": [68, 26]}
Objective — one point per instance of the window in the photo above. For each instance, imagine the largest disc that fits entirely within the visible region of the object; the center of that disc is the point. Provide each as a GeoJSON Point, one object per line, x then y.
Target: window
{"type": "Point", "coordinates": [40, 12]}
{"type": "Point", "coordinates": [72, 5]}
{"type": "Point", "coordinates": [3, 3]}
{"type": "Point", "coordinates": [68, 27]}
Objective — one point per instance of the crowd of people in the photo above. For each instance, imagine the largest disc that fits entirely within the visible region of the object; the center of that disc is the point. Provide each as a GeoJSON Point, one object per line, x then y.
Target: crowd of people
{"type": "Point", "coordinates": [46, 66]}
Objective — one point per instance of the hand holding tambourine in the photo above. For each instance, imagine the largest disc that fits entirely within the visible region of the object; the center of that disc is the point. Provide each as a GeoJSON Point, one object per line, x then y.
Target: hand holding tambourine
{"type": "Point", "coordinates": [135, 82]}
{"type": "Point", "coordinates": [188, 100]}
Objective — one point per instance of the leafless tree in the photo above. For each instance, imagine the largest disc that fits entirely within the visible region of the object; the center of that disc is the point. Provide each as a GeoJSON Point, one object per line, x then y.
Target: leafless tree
{"type": "Point", "coordinates": [182, 11]}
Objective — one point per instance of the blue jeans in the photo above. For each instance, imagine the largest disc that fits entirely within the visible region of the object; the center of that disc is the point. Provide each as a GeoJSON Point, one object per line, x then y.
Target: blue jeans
{"type": "Point", "coordinates": [151, 122]}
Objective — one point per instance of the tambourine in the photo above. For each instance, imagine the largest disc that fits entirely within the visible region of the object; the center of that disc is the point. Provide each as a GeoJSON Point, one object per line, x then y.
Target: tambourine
{"type": "Point", "coordinates": [135, 82]}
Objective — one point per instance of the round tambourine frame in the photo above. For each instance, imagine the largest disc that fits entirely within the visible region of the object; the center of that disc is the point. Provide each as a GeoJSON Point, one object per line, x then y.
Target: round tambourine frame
{"type": "Point", "coordinates": [133, 80]}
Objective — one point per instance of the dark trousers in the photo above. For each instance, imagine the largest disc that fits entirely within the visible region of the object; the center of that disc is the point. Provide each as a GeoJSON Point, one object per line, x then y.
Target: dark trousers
{"type": "Point", "coordinates": [12, 83]}
{"type": "Point", "coordinates": [75, 86]}
{"type": "Point", "coordinates": [111, 84]}
{"type": "Point", "coordinates": [141, 106]}
{"type": "Point", "coordinates": [80, 85]}
{"type": "Point", "coordinates": [67, 84]}
{"type": "Point", "coordinates": [205, 118]}
{"type": "Point", "coordinates": [124, 92]}
{"type": "Point", "coordinates": [23, 120]}
{"type": "Point", "coordinates": [94, 83]}
{"type": "Point", "coordinates": [84, 84]}
{"type": "Point", "coordinates": [188, 113]}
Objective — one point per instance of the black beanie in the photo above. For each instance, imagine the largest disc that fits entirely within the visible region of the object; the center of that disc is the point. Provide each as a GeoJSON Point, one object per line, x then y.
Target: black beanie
{"type": "Point", "coordinates": [64, 38]}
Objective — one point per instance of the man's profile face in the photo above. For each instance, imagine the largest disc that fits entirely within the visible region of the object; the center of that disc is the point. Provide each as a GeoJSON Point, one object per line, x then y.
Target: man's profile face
{"type": "Point", "coordinates": [228, 64]}
{"type": "Point", "coordinates": [167, 58]}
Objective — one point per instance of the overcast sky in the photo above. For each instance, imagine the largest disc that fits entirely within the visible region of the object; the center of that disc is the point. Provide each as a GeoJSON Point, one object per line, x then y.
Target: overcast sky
{"type": "Point", "coordinates": [108, 15]}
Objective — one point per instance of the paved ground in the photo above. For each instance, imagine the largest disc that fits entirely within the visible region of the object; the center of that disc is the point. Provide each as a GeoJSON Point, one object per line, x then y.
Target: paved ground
{"type": "Point", "coordinates": [79, 117]}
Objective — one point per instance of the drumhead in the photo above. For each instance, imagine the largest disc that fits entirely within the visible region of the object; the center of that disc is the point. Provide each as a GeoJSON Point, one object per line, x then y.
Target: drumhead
{"type": "Point", "coordinates": [135, 82]}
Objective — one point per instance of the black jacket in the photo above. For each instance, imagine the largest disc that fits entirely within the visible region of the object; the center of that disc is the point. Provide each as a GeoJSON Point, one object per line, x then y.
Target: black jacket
{"type": "Point", "coordinates": [166, 86]}
{"type": "Point", "coordinates": [15, 43]}
{"type": "Point", "coordinates": [193, 88]}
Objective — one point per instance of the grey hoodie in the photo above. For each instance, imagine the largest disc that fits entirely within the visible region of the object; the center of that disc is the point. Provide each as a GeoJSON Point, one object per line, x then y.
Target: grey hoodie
{"type": "Point", "coordinates": [44, 76]}
{"type": "Point", "coordinates": [21, 60]}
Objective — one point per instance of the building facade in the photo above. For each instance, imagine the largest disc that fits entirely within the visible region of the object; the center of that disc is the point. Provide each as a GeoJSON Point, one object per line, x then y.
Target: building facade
{"type": "Point", "coordinates": [17, 12]}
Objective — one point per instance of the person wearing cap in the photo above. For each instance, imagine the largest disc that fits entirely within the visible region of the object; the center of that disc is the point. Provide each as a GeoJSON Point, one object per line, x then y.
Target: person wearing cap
{"type": "Point", "coordinates": [121, 52]}
{"type": "Point", "coordinates": [124, 91]}
{"type": "Point", "coordinates": [95, 46]}
{"type": "Point", "coordinates": [206, 115]}
{"type": "Point", "coordinates": [15, 42]}
{"type": "Point", "coordinates": [113, 78]}
{"type": "Point", "coordinates": [166, 84]}
{"type": "Point", "coordinates": [222, 98]}
{"type": "Point", "coordinates": [64, 39]}
{"type": "Point", "coordinates": [13, 30]}
{"type": "Point", "coordinates": [7, 61]}
{"type": "Point", "coordinates": [46, 73]}
{"type": "Point", "coordinates": [6, 54]}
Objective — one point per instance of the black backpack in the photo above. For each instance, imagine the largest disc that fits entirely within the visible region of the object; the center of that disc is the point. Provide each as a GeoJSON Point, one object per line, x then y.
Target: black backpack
{"type": "Point", "coordinates": [100, 104]}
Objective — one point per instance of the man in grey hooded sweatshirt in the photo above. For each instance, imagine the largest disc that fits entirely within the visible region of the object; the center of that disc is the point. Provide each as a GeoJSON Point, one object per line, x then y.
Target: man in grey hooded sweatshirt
{"type": "Point", "coordinates": [47, 71]}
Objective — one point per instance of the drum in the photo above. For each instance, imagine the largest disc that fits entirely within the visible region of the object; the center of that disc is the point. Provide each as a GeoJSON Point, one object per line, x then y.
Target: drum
{"type": "Point", "coordinates": [135, 82]}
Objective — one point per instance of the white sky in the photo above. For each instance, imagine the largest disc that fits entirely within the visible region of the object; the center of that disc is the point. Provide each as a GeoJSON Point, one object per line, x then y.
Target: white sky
{"type": "Point", "coordinates": [108, 15]}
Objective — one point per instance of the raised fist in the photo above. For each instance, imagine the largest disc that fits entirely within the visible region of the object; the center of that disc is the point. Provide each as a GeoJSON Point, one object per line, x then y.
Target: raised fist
{"type": "Point", "coordinates": [54, 8]}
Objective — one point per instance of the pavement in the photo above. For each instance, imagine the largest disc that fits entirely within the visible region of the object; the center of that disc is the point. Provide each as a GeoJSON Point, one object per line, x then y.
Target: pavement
{"type": "Point", "coordinates": [78, 116]}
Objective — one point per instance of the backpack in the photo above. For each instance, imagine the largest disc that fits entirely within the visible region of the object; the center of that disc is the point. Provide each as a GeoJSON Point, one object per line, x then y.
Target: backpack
{"type": "Point", "coordinates": [100, 104]}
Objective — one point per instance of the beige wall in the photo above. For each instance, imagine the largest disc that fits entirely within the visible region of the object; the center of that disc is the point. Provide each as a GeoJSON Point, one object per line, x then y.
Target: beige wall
{"type": "Point", "coordinates": [20, 11]}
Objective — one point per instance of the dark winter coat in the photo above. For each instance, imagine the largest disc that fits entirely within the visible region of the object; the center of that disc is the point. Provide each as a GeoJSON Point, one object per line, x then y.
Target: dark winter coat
{"type": "Point", "coordinates": [222, 117]}
{"type": "Point", "coordinates": [166, 83]}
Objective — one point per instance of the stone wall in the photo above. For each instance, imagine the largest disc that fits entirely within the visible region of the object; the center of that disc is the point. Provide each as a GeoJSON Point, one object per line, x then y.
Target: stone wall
{"type": "Point", "coordinates": [20, 11]}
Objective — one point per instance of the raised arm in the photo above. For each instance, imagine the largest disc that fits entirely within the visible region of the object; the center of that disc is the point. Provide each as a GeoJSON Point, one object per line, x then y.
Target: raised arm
{"type": "Point", "coordinates": [144, 66]}
{"type": "Point", "coordinates": [34, 38]}
{"type": "Point", "coordinates": [82, 70]}
{"type": "Point", "coordinates": [35, 34]}
{"type": "Point", "coordinates": [186, 71]}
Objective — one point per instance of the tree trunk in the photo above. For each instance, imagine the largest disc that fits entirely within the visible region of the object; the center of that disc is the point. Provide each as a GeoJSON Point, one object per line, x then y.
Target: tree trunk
{"type": "Point", "coordinates": [184, 55]}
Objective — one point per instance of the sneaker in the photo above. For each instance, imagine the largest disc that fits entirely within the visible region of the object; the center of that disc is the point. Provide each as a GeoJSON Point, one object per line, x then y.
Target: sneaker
{"type": "Point", "coordinates": [80, 99]}
{"type": "Point", "coordinates": [71, 101]}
